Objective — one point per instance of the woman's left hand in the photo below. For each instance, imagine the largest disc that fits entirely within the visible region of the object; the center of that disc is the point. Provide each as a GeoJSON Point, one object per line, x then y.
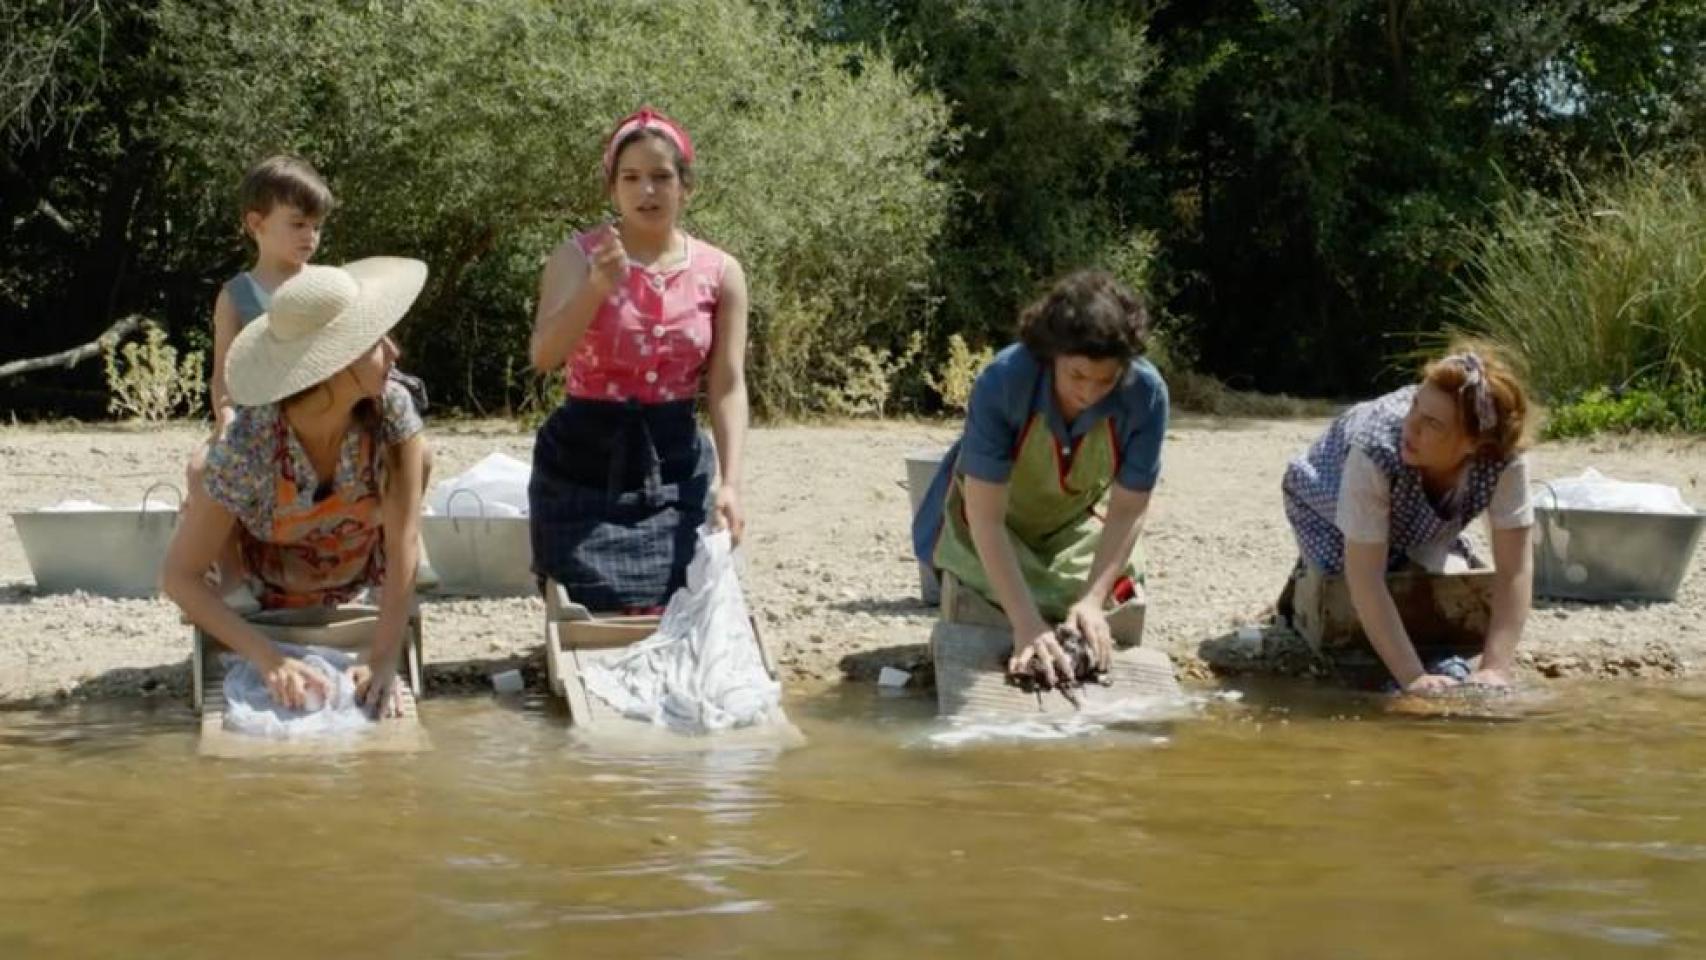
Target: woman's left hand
{"type": "Point", "coordinates": [1489, 678]}
{"type": "Point", "coordinates": [377, 690]}
{"type": "Point", "coordinates": [728, 512]}
{"type": "Point", "coordinates": [1092, 624]}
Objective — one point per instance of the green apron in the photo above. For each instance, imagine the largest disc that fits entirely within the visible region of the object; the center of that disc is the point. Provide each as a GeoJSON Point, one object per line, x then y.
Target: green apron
{"type": "Point", "coordinates": [1055, 500]}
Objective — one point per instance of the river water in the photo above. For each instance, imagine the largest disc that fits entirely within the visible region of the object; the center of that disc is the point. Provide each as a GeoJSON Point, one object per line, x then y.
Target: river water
{"type": "Point", "coordinates": [1291, 823]}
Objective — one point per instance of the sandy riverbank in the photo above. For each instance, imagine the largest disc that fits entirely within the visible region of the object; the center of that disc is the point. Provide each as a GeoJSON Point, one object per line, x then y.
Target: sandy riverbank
{"type": "Point", "coordinates": [829, 570]}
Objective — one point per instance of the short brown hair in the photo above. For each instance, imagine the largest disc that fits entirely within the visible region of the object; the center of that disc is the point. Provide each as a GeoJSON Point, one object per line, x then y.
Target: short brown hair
{"type": "Point", "coordinates": [1087, 313]}
{"type": "Point", "coordinates": [1509, 433]}
{"type": "Point", "coordinates": [284, 179]}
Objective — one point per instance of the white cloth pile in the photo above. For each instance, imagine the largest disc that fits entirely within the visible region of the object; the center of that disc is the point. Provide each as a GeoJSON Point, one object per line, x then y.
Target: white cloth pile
{"type": "Point", "coordinates": [78, 505]}
{"type": "Point", "coordinates": [250, 709]}
{"type": "Point", "coordinates": [702, 671]}
{"type": "Point", "coordinates": [496, 485]}
{"type": "Point", "coordinates": [1595, 491]}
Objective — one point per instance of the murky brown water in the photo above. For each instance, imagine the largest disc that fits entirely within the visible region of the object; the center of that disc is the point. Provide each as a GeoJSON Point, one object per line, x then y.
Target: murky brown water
{"type": "Point", "coordinates": [1292, 825]}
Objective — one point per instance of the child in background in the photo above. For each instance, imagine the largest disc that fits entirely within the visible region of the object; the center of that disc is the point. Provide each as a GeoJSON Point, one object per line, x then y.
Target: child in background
{"type": "Point", "coordinates": [284, 204]}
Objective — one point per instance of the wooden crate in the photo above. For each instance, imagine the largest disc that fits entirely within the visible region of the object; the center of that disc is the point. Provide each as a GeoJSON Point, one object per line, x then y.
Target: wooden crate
{"type": "Point", "coordinates": [575, 638]}
{"type": "Point", "coordinates": [1441, 611]}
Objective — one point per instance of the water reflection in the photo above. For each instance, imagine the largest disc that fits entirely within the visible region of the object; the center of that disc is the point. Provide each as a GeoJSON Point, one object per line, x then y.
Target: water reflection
{"type": "Point", "coordinates": [1293, 822]}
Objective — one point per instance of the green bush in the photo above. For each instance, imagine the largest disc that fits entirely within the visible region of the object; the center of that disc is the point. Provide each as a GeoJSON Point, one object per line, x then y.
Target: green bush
{"type": "Point", "coordinates": [469, 135]}
{"type": "Point", "coordinates": [149, 381]}
{"type": "Point", "coordinates": [1301, 172]}
{"type": "Point", "coordinates": [1679, 406]}
{"type": "Point", "coordinates": [1600, 291]}
{"type": "Point", "coordinates": [958, 373]}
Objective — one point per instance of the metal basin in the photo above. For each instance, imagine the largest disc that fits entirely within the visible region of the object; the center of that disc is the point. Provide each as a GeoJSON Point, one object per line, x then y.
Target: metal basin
{"type": "Point", "coordinates": [480, 556]}
{"type": "Point", "coordinates": [921, 467]}
{"type": "Point", "coordinates": [1605, 555]}
{"type": "Point", "coordinates": [111, 553]}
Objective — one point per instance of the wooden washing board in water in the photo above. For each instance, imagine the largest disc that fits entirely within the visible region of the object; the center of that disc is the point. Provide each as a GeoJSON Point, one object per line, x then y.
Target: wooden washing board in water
{"type": "Point", "coordinates": [971, 642]}
{"type": "Point", "coordinates": [344, 628]}
{"type": "Point", "coordinates": [574, 638]}
{"type": "Point", "coordinates": [1442, 612]}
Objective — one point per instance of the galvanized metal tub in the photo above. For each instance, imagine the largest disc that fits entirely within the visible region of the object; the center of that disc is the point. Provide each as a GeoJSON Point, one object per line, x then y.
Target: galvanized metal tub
{"type": "Point", "coordinates": [921, 467]}
{"type": "Point", "coordinates": [110, 553]}
{"type": "Point", "coordinates": [1602, 555]}
{"type": "Point", "coordinates": [480, 556]}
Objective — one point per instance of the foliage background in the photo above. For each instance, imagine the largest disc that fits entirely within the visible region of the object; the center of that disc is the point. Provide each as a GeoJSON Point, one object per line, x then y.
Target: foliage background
{"type": "Point", "coordinates": [1308, 191]}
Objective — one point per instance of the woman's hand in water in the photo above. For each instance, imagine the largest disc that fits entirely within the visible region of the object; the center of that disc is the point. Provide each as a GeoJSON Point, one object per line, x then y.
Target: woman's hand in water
{"type": "Point", "coordinates": [1431, 684]}
{"type": "Point", "coordinates": [1037, 644]}
{"type": "Point", "coordinates": [727, 512]}
{"type": "Point", "coordinates": [1489, 678]}
{"type": "Point", "coordinates": [290, 680]}
{"type": "Point", "coordinates": [1092, 624]}
{"type": "Point", "coordinates": [609, 266]}
{"type": "Point", "coordinates": [377, 690]}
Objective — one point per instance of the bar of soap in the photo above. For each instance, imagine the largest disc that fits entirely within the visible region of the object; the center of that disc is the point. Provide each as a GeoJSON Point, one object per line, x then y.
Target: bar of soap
{"type": "Point", "coordinates": [892, 677]}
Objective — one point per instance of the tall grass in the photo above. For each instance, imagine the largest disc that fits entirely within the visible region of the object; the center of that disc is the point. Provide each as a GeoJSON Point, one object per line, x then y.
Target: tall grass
{"type": "Point", "coordinates": [1604, 288]}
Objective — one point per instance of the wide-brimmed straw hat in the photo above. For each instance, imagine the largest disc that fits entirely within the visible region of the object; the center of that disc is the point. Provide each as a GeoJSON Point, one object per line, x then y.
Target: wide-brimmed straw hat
{"type": "Point", "coordinates": [320, 321]}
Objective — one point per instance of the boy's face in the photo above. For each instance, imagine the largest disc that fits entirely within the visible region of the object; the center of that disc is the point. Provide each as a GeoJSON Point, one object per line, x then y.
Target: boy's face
{"type": "Point", "coordinates": [284, 234]}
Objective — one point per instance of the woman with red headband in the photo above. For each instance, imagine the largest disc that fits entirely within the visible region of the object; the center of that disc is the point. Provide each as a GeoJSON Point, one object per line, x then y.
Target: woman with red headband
{"type": "Point", "coordinates": [634, 313]}
{"type": "Point", "coordinates": [1393, 483]}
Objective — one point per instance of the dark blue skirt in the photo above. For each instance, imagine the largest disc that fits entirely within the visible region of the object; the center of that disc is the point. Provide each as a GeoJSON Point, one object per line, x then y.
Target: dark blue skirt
{"type": "Point", "coordinates": [618, 493]}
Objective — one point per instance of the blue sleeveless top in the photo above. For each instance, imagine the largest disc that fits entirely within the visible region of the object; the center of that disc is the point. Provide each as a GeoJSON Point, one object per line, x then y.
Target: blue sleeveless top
{"type": "Point", "coordinates": [247, 296]}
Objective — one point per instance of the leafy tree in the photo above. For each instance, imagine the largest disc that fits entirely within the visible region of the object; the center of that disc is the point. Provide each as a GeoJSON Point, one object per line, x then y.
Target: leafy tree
{"type": "Point", "coordinates": [468, 135]}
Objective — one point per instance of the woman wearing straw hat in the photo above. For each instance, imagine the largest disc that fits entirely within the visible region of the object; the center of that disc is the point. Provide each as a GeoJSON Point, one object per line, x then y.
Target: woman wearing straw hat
{"type": "Point", "coordinates": [636, 314]}
{"type": "Point", "coordinates": [318, 476]}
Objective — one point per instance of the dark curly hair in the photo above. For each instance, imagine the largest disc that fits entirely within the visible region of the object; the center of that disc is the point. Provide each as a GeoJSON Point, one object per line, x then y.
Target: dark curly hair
{"type": "Point", "coordinates": [1086, 314]}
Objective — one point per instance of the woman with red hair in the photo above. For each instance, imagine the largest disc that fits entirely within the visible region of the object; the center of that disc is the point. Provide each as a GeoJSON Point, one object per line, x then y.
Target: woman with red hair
{"type": "Point", "coordinates": [1395, 480]}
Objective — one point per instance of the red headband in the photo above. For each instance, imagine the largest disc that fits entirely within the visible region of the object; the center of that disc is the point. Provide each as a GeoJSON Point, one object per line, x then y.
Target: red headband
{"type": "Point", "coordinates": [647, 119]}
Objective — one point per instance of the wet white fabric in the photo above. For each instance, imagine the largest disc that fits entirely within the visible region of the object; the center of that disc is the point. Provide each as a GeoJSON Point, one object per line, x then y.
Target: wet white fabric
{"type": "Point", "coordinates": [702, 671]}
{"type": "Point", "coordinates": [497, 485]}
{"type": "Point", "coordinates": [250, 709]}
{"type": "Point", "coordinates": [1595, 491]}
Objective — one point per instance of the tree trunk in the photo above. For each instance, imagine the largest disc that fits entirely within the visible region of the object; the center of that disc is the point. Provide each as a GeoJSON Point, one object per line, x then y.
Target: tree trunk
{"type": "Point", "coordinates": [72, 357]}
